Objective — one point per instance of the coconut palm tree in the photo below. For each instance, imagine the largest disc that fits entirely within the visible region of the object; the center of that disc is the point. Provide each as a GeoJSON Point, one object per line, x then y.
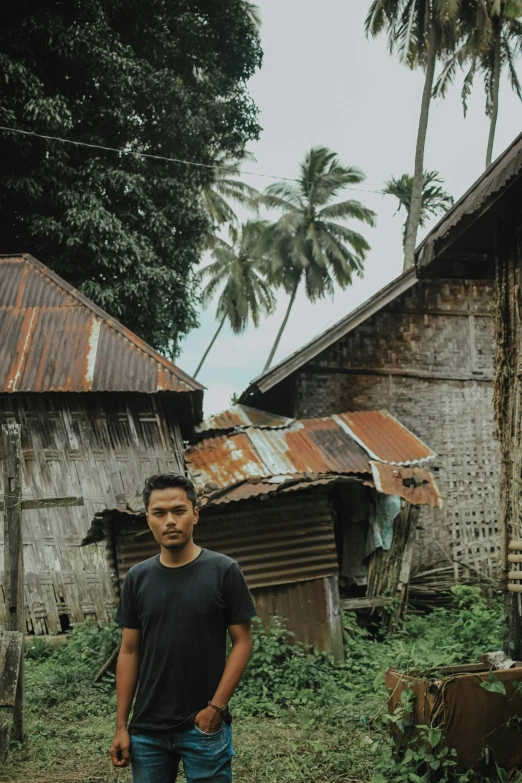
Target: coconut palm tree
{"type": "Point", "coordinates": [237, 269]}
{"type": "Point", "coordinates": [491, 42]}
{"type": "Point", "coordinates": [225, 187]}
{"type": "Point", "coordinates": [306, 243]}
{"type": "Point", "coordinates": [254, 13]}
{"type": "Point", "coordinates": [435, 201]}
{"type": "Point", "coordinates": [419, 32]}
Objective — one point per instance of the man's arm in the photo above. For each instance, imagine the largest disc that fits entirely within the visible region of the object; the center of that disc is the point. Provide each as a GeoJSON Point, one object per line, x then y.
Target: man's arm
{"type": "Point", "coordinates": [209, 720]}
{"type": "Point", "coordinates": [126, 682]}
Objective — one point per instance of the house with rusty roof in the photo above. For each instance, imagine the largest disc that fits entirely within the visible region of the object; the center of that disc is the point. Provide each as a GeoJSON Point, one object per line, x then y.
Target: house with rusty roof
{"type": "Point", "coordinates": [99, 410]}
{"type": "Point", "coordinates": [423, 348]}
{"type": "Point", "coordinates": [304, 506]}
{"type": "Point", "coordinates": [487, 222]}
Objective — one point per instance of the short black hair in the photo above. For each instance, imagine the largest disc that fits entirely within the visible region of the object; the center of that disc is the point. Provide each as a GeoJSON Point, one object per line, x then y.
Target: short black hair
{"type": "Point", "coordinates": [165, 481]}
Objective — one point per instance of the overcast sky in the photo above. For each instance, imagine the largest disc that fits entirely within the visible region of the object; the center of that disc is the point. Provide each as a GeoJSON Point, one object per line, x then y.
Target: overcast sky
{"type": "Point", "coordinates": [324, 83]}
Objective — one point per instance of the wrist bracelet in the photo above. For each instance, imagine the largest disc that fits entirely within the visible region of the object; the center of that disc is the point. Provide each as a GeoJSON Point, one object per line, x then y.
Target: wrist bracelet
{"type": "Point", "coordinates": [216, 707]}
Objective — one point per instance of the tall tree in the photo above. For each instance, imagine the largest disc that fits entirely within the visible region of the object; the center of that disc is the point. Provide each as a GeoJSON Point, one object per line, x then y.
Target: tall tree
{"type": "Point", "coordinates": [140, 75]}
{"type": "Point", "coordinates": [434, 201]}
{"type": "Point", "coordinates": [305, 243]}
{"type": "Point", "coordinates": [238, 270]}
{"type": "Point", "coordinates": [491, 42]}
{"type": "Point", "coordinates": [224, 188]}
{"type": "Point", "coordinates": [419, 32]}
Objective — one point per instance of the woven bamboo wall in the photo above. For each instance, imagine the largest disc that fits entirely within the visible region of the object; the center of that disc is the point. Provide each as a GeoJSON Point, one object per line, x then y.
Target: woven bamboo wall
{"type": "Point", "coordinates": [428, 358]}
{"type": "Point", "coordinates": [100, 446]}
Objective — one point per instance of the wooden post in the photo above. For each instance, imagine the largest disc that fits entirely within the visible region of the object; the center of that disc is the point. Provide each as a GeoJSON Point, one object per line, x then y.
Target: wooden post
{"type": "Point", "coordinates": [335, 620]}
{"type": "Point", "coordinates": [11, 672]}
{"type": "Point", "coordinates": [13, 558]}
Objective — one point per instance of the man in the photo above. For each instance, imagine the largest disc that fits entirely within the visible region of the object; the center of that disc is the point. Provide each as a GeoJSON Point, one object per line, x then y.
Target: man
{"type": "Point", "coordinates": [175, 609]}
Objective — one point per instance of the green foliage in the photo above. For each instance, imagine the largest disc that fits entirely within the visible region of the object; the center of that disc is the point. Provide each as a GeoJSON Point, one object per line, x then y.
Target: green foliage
{"type": "Point", "coordinates": [66, 674]}
{"type": "Point", "coordinates": [298, 716]}
{"type": "Point", "coordinates": [455, 636]}
{"type": "Point", "coordinates": [494, 685]}
{"type": "Point", "coordinates": [237, 270]}
{"type": "Point", "coordinates": [435, 200]}
{"type": "Point", "coordinates": [310, 241]}
{"type": "Point", "coordinates": [143, 76]}
{"type": "Point", "coordinates": [490, 42]}
{"type": "Point", "coordinates": [408, 24]}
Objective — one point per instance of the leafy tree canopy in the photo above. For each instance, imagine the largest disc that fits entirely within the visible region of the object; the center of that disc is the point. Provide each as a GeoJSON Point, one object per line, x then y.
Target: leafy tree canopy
{"type": "Point", "coordinates": [166, 78]}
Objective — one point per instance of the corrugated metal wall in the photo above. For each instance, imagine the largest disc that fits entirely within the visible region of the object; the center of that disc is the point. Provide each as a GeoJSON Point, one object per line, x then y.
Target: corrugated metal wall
{"type": "Point", "coordinates": [285, 548]}
{"type": "Point", "coordinates": [274, 541]}
{"type": "Point", "coordinates": [303, 605]}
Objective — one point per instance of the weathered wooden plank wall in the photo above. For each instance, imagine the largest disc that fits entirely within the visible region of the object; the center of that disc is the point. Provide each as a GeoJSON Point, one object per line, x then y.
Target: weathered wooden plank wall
{"type": "Point", "coordinates": [428, 358]}
{"type": "Point", "coordinates": [101, 446]}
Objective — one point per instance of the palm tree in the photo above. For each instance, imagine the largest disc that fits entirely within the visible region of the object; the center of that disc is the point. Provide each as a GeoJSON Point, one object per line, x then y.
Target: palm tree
{"type": "Point", "coordinates": [254, 12]}
{"type": "Point", "coordinates": [226, 187]}
{"type": "Point", "coordinates": [419, 32]}
{"type": "Point", "coordinates": [435, 201]}
{"type": "Point", "coordinates": [238, 269]}
{"type": "Point", "coordinates": [492, 41]}
{"type": "Point", "coordinates": [305, 243]}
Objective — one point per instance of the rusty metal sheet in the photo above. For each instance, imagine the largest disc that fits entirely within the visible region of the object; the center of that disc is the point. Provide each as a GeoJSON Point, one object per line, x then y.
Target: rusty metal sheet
{"type": "Point", "coordinates": [288, 540]}
{"type": "Point", "coordinates": [52, 338]}
{"type": "Point", "coordinates": [384, 438]}
{"type": "Point", "coordinates": [304, 607]}
{"type": "Point", "coordinates": [303, 447]}
{"type": "Point", "coordinates": [417, 485]}
{"type": "Point", "coordinates": [240, 416]}
{"type": "Point", "coordinates": [283, 486]}
{"type": "Point", "coordinates": [342, 444]}
{"type": "Point", "coordinates": [497, 177]}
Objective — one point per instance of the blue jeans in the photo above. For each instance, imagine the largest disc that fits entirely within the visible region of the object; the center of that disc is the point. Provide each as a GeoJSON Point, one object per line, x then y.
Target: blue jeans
{"type": "Point", "coordinates": [206, 757]}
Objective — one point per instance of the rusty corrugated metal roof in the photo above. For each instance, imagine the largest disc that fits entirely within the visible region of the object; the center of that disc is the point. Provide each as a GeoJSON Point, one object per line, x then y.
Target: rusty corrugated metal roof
{"type": "Point", "coordinates": [384, 438]}
{"type": "Point", "coordinates": [310, 449]}
{"type": "Point", "coordinates": [239, 417]}
{"type": "Point", "coordinates": [415, 484]}
{"type": "Point", "coordinates": [54, 339]}
{"type": "Point", "coordinates": [489, 186]}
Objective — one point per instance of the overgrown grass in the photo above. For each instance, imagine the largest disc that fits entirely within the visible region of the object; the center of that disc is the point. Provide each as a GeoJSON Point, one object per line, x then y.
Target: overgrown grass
{"type": "Point", "coordinates": [298, 717]}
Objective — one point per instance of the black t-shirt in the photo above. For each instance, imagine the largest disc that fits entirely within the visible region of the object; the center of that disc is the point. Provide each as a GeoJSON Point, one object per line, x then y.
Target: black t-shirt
{"type": "Point", "coordinates": [183, 614]}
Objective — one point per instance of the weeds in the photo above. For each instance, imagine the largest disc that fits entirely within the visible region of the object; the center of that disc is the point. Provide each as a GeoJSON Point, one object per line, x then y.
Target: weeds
{"type": "Point", "coordinates": [299, 718]}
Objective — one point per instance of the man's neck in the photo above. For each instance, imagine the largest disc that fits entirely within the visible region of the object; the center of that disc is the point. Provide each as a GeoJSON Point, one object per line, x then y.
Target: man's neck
{"type": "Point", "coordinates": [174, 558]}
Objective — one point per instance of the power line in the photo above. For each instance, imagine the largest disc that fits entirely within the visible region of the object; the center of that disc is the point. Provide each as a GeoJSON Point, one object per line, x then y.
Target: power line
{"type": "Point", "coordinates": [167, 159]}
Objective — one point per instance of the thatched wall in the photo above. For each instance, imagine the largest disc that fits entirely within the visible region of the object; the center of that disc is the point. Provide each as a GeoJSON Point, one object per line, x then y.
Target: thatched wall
{"type": "Point", "coordinates": [428, 358]}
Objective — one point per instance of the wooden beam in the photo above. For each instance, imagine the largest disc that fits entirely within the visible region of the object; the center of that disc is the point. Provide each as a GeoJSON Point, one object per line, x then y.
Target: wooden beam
{"type": "Point", "coordinates": [48, 503]}
{"type": "Point", "coordinates": [11, 690]}
{"type": "Point", "coordinates": [13, 557]}
{"type": "Point", "coordinates": [10, 655]}
{"type": "Point", "coordinates": [335, 620]}
{"type": "Point", "coordinates": [111, 661]}
{"type": "Point", "coordinates": [372, 602]}
{"type": "Point", "coordinates": [515, 546]}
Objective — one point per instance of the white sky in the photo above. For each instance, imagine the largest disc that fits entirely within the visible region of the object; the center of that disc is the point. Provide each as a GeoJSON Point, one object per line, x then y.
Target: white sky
{"type": "Point", "coordinates": [324, 83]}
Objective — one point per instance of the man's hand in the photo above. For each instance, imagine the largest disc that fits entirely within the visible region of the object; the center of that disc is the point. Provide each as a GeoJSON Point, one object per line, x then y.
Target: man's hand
{"type": "Point", "coordinates": [119, 751]}
{"type": "Point", "coordinates": [209, 720]}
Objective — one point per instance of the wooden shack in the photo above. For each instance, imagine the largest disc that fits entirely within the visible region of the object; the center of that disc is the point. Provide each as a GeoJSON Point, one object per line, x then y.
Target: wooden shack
{"type": "Point", "coordinates": [100, 410]}
{"type": "Point", "coordinates": [482, 235]}
{"type": "Point", "coordinates": [299, 504]}
{"type": "Point", "coordinates": [423, 349]}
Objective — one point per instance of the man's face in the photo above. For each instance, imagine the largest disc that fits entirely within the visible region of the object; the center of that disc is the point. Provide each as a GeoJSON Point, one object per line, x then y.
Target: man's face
{"type": "Point", "coordinates": [171, 517]}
